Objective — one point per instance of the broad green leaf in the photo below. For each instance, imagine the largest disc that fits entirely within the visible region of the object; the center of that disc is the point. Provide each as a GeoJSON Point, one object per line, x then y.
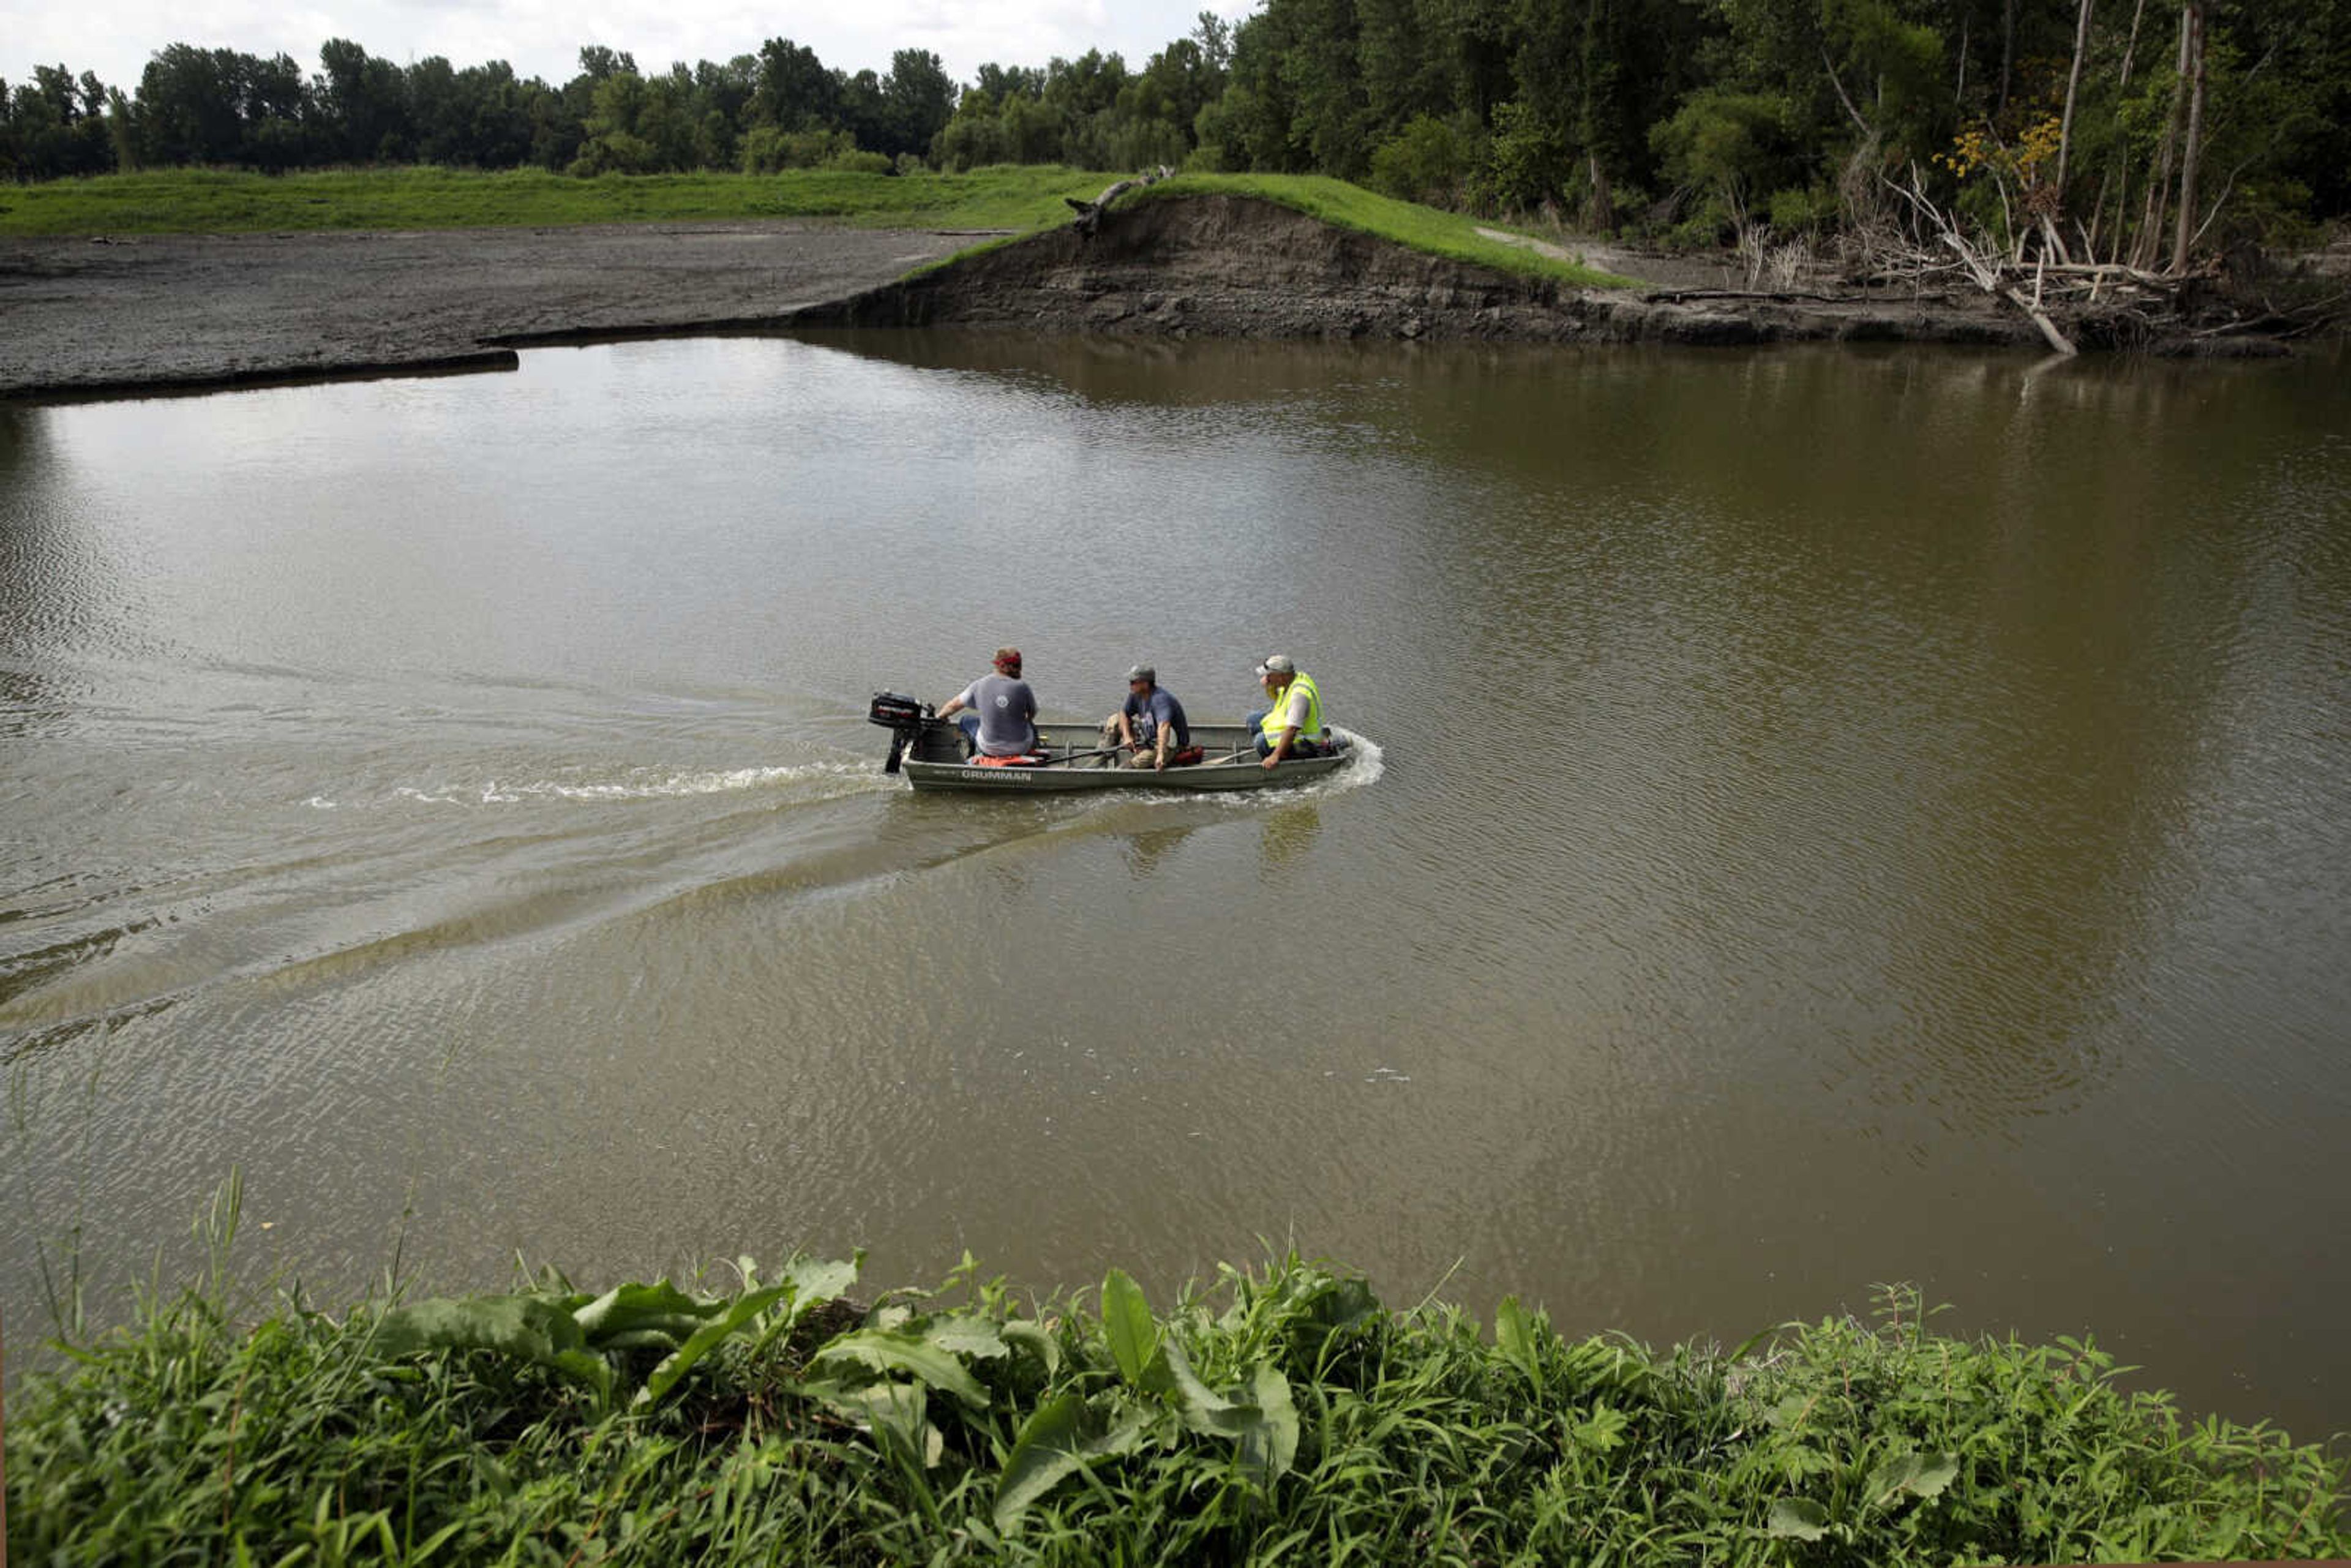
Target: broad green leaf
{"type": "Point", "coordinates": [1935, 1476]}
{"type": "Point", "coordinates": [1798, 1519]}
{"type": "Point", "coordinates": [1890, 1478]}
{"type": "Point", "coordinates": [1913, 1473]}
{"type": "Point", "coordinates": [898, 1413]}
{"type": "Point", "coordinates": [1126, 1320]}
{"type": "Point", "coordinates": [1057, 1441]}
{"type": "Point", "coordinates": [1035, 1341]}
{"type": "Point", "coordinates": [626, 1308]}
{"type": "Point", "coordinates": [1273, 1447]}
{"type": "Point", "coordinates": [1203, 1410]}
{"type": "Point", "coordinates": [899, 1350]}
{"type": "Point", "coordinates": [968, 1333]}
{"type": "Point", "coordinates": [1047, 1450]}
{"type": "Point", "coordinates": [1266, 1430]}
{"type": "Point", "coordinates": [821, 1280]}
{"type": "Point", "coordinates": [1514, 1336]}
{"type": "Point", "coordinates": [742, 1310]}
{"type": "Point", "coordinates": [814, 1281]}
{"type": "Point", "coordinates": [515, 1325]}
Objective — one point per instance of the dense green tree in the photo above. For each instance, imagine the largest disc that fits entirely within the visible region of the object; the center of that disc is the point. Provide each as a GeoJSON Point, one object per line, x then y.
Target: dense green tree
{"type": "Point", "coordinates": [55, 126]}
{"type": "Point", "coordinates": [363, 103]}
{"type": "Point", "coordinates": [918, 98]}
{"type": "Point", "coordinates": [792, 90]}
{"type": "Point", "coordinates": [220, 106]}
{"type": "Point", "coordinates": [2074, 126]}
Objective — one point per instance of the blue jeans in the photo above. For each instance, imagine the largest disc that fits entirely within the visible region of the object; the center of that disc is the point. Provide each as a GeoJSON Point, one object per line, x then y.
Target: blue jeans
{"type": "Point", "coordinates": [1302, 747]}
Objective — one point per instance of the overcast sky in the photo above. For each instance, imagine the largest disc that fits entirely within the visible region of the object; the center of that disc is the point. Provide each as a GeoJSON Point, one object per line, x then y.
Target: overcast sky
{"type": "Point", "coordinates": [542, 37]}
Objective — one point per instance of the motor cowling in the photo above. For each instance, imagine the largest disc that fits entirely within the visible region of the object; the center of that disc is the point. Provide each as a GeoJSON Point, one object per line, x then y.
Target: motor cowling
{"type": "Point", "coordinates": [896, 710]}
{"type": "Point", "coordinates": [904, 717]}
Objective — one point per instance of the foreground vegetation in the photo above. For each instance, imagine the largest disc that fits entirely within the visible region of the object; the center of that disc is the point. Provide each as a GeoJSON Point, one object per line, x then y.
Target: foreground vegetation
{"type": "Point", "coordinates": [1279, 1414]}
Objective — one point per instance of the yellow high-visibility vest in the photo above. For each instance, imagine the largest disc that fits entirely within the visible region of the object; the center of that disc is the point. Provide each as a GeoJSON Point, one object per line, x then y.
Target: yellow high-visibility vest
{"type": "Point", "coordinates": [1276, 720]}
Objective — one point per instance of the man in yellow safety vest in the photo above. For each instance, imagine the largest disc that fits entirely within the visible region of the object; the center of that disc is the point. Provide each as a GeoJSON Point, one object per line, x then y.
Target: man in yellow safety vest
{"type": "Point", "coordinates": [1292, 725]}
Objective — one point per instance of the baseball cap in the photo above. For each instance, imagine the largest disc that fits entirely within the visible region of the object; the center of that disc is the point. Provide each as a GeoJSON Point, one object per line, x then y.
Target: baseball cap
{"type": "Point", "coordinates": [1277, 665]}
{"type": "Point", "coordinates": [1142, 673]}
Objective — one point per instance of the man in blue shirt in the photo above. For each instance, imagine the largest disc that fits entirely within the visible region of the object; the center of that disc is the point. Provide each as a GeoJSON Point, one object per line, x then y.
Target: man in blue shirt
{"type": "Point", "coordinates": [1150, 730]}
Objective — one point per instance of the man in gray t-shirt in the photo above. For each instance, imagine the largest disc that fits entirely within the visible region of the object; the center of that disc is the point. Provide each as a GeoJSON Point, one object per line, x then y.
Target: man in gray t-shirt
{"type": "Point", "coordinates": [1003, 717]}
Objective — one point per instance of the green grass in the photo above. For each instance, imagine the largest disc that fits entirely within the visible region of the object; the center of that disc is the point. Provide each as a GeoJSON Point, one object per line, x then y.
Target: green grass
{"type": "Point", "coordinates": [1279, 1414]}
{"type": "Point", "coordinates": [1022, 199]}
{"type": "Point", "coordinates": [1336, 202]}
{"type": "Point", "coordinates": [206, 200]}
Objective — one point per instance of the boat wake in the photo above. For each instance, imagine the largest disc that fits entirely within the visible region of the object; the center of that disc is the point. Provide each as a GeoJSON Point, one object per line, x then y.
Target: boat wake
{"type": "Point", "coordinates": [1370, 762]}
{"type": "Point", "coordinates": [833, 777]}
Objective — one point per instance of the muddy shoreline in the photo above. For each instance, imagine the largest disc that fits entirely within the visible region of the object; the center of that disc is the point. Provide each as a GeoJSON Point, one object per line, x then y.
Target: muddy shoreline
{"type": "Point", "coordinates": [1237, 267]}
{"type": "Point", "coordinates": [157, 314]}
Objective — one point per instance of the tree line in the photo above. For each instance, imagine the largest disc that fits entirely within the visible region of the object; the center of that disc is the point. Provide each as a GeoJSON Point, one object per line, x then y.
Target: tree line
{"type": "Point", "coordinates": [2097, 126]}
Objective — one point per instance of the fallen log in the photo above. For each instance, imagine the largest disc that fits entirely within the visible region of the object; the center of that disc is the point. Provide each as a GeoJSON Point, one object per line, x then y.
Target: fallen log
{"type": "Point", "coordinates": [1090, 214]}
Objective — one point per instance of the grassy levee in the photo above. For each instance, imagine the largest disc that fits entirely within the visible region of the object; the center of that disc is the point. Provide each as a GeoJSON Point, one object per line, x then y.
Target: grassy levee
{"type": "Point", "coordinates": [1346, 207]}
{"type": "Point", "coordinates": [1022, 199]}
{"type": "Point", "coordinates": [213, 201]}
{"type": "Point", "coordinates": [1279, 1414]}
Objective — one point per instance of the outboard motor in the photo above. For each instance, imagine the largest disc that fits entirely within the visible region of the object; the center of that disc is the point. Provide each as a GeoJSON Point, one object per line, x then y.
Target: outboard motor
{"type": "Point", "coordinates": [904, 717]}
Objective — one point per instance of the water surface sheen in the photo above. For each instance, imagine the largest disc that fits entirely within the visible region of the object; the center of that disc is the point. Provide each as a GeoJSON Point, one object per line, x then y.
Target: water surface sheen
{"type": "Point", "coordinates": [1838, 817]}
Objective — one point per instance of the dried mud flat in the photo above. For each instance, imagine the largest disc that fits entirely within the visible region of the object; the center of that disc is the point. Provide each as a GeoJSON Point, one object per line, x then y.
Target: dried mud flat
{"type": "Point", "coordinates": [151, 314]}
{"type": "Point", "coordinates": [157, 313]}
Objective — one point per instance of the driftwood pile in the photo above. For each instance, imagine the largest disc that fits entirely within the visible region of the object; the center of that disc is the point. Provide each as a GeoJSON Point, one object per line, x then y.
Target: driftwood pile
{"type": "Point", "coordinates": [2113, 304]}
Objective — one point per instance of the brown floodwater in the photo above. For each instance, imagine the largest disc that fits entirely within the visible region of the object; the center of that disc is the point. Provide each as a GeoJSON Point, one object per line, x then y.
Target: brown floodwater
{"type": "Point", "coordinates": [1831, 817]}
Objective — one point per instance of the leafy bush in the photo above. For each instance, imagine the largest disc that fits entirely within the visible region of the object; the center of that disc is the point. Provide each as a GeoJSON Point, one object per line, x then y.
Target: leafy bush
{"type": "Point", "coordinates": [1276, 1412]}
{"type": "Point", "coordinates": [1427, 161]}
{"type": "Point", "coordinates": [769, 150]}
{"type": "Point", "coordinates": [1805, 211]}
{"type": "Point", "coordinates": [1524, 164]}
{"type": "Point", "coordinates": [1733, 144]}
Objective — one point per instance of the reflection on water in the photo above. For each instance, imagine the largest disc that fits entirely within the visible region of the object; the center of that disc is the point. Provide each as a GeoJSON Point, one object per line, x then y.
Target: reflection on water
{"type": "Point", "coordinates": [1826, 817]}
{"type": "Point", "coordinates": [1290, 834]}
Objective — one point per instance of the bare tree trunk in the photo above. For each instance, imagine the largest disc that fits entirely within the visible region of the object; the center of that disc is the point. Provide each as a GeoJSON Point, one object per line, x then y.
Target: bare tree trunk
{"type": "Point", "coordinates": [2130, 50]}
{"type": "Point", "coordinates": [2192, 24]}
{"type": "Point", "coordinates": [1603, 214]}
{"type": "Point", "coordinates": [2007, 52]}
{"type": "Point", "coordinates": [2073, 86]}
{"type": "Point", "coordinates": [2122, 156]}
{"type": "Point", "coordinates": [2150, 237]}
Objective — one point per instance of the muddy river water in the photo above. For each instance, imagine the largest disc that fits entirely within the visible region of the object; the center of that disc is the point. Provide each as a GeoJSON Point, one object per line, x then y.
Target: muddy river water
{"type": "Point", "coordinates": [1831, 817]}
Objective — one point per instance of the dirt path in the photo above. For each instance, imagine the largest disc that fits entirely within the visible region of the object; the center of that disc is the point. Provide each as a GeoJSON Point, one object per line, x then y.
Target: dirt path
{"type": "Point", "coordinates": [1649, 268]}
{"type": "Point", "coordinates": [164, 312]}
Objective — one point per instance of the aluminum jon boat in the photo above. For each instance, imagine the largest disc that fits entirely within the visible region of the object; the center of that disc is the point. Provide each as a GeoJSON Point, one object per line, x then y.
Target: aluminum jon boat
{"type": "Point", "coordinates": [930, 752]}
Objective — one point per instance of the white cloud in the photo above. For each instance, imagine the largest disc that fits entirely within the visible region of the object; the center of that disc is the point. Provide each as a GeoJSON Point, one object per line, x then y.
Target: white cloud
{"type": "Point", "coordinates": [542, 38]}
